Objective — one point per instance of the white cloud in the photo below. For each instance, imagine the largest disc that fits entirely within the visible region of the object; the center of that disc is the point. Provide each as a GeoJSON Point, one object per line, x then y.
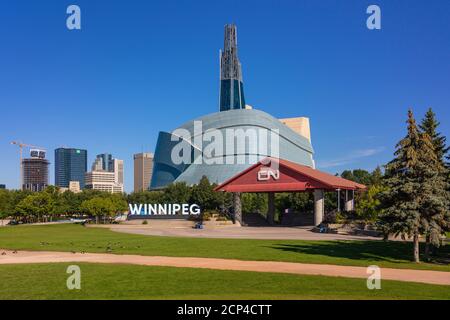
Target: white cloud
{"type": "Point", "coordinates": [352, 157]}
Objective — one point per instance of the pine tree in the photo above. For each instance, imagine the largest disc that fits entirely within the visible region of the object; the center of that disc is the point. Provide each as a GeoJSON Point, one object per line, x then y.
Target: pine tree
{"type": "Point", "coordinates": [429, 126]}
{"type": "Point", "coordinates": [435, 189]}
{"type": "Point", "coordinates": [376, 177]}
{"type": "Point", "coordinates": [401, 215]}
{"type": "Point", "coordinates": [416, 200]}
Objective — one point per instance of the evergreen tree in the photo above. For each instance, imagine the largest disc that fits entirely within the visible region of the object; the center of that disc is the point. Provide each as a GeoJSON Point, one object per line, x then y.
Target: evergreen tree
{"type": "Point", "coordinates": [401, 215]}
{"type": "Point", "coordinates": [436, 190]}
{"type": "Point", "coordinates": [203, 194]}
{"type": "Point", "coordinates": [377, 177]}
{"type": "Point", "coordinates": [178, 192]}
{"type": "Point", "coordinates": [429, 126]}
{"type": "Point", "coordinates": [347, 174]}
{"type": "Point", "coordinates": [357, 175]}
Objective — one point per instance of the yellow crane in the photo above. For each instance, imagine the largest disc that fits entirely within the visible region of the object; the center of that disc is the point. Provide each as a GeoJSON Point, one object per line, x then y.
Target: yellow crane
{"type": "Point", "coordinates": [21, 146]}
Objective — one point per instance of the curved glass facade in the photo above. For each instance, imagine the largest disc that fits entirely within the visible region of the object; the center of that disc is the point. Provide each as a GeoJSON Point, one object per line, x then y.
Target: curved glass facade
{"type": "Point", "coordinates": [234, 158]}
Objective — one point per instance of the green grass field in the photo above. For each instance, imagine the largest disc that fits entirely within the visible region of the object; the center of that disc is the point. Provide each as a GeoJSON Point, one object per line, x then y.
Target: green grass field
{"type": "Point", "coordinates": [48, 281]}
{"type": "Point", "coordinates": [78, 238]}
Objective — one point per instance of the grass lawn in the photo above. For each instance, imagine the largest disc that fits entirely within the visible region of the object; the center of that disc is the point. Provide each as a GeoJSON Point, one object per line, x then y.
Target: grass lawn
{"type": "Point", "coordinates": [48, 281]}
{"type": "Point", "coordinates": [77, 238]}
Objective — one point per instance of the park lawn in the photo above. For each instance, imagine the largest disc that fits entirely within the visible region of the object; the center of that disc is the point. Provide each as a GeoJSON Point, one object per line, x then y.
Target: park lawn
{"type": "Point", "coordinates": [101, 281]}
{"type": "Point", "coordinates": [69, 237]}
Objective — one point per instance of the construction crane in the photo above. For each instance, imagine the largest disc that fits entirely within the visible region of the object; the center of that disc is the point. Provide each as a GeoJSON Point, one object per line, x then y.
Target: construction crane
{"type": "Point", "coordinates": [21, 146]}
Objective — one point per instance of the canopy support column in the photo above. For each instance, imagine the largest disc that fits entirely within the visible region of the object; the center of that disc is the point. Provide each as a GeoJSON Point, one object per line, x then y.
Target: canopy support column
{"type": "Point", "coordinates": [349, 200]}
{"type": "Point", "coordinates": [319, 206]}
{"type": "Point", "coordinates": [271, 207]}
{"type": "Point", "coordinates": [237, 208]}
{"type": "Point", "coordinates": [338, 200]}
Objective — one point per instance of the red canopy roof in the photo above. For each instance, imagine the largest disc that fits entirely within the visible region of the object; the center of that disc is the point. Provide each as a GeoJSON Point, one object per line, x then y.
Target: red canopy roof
{"type": "Point", "coordinates": [278, 175]}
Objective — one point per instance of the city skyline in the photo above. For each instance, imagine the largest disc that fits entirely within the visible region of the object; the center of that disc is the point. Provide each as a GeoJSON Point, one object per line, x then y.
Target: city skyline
{"type": "Point", "coordinates": [323, 63]}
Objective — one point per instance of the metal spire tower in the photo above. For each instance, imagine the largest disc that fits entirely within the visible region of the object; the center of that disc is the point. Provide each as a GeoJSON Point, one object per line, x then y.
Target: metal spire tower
{"type": "Point", "coordinates": [231, 85]}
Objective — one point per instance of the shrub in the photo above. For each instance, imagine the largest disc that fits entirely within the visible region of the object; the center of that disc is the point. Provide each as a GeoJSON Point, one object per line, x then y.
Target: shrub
{"type": "Point", "coordinates": [222, 218]}
{"type": "Point", "coordinates": [368, 207]}
{"type": "Point", "coordinates": [205, 216]}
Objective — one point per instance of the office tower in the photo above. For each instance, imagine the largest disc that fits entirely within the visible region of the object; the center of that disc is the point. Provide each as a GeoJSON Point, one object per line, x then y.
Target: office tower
{"type": "Point", "coordinates": [143, 167]}
{"type": "Point", "coordinates": [35, 171]}
{"type": "Point", "coordinates": [106, 174]}
{"type": "Point", "coordinates": [118, 171]}
{"type": "Point", "coordinates": [97, 165]}
{"type": "Point", "coordinates": [2, 186]}
{"type": "Point", "coordinates": [231, 85]}
{"type": "Point", "coordinates": [102, 181]}
{"type": "Point", "coordinates": [106, 161]}
{"type": "Point", "coordinates": [70, 165]}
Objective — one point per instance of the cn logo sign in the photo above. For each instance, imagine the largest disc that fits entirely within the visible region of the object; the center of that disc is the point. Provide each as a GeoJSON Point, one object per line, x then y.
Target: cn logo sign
{"type": "Point", "coordinates": [264, 174]}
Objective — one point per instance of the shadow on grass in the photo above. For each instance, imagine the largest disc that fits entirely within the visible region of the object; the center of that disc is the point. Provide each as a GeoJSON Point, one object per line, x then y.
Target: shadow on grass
{"type": "Point", "coordinates": [391, 251]}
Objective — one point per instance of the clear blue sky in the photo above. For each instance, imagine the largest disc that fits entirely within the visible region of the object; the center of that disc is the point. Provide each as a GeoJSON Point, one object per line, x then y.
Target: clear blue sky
{"type": "Point", "coordinates": [138, 67]}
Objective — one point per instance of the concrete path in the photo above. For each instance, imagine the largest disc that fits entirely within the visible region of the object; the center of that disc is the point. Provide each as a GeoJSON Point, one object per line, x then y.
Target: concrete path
{"type": "Point", "coordinates": [161, 228]}
{"type": "Point", "coordinates": [422, 276]}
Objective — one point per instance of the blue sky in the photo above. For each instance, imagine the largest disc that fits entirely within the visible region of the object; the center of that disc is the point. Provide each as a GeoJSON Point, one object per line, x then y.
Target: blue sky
{"type": "Point", "coordinates": [139, 67]}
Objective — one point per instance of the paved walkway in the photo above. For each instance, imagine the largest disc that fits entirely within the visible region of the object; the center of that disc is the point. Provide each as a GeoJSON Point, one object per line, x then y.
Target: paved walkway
{"type": "Point", "coordinates": [422, 276]}
{"type": "Point", "coordinates": [164, 228]}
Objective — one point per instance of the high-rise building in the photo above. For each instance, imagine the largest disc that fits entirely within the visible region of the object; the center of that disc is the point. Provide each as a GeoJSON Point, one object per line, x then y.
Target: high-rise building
{"type": "Point", "coordinates": [106, 174]}
{"type": "Point", "coordinates": [106, 161]}
{"type": "Point", "coordinates": [118, 171]}
{"type": "Point", "coordinates": [143, 167]}
{"type": "Point", "coordinates": [231, 84]}
{"type": "Point", "coordinates": [2, 186]}
{"type": "Point", "coordinates": [35, 171]}
{"type": "Point", "coordinates": [97, 165]}
{"type": "Point", "coordinates": [70, 165]}
{"type": "Point", "coordinates": [102, 181]}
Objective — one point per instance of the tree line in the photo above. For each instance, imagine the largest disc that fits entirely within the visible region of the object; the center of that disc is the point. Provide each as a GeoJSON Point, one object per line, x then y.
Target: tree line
{"type": "Point", "coordinates": [51, 204]}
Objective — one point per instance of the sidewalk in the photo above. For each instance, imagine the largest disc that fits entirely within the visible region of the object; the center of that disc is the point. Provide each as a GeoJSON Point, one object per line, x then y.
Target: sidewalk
{"type": "Point", "coordinates": [408, 275]}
